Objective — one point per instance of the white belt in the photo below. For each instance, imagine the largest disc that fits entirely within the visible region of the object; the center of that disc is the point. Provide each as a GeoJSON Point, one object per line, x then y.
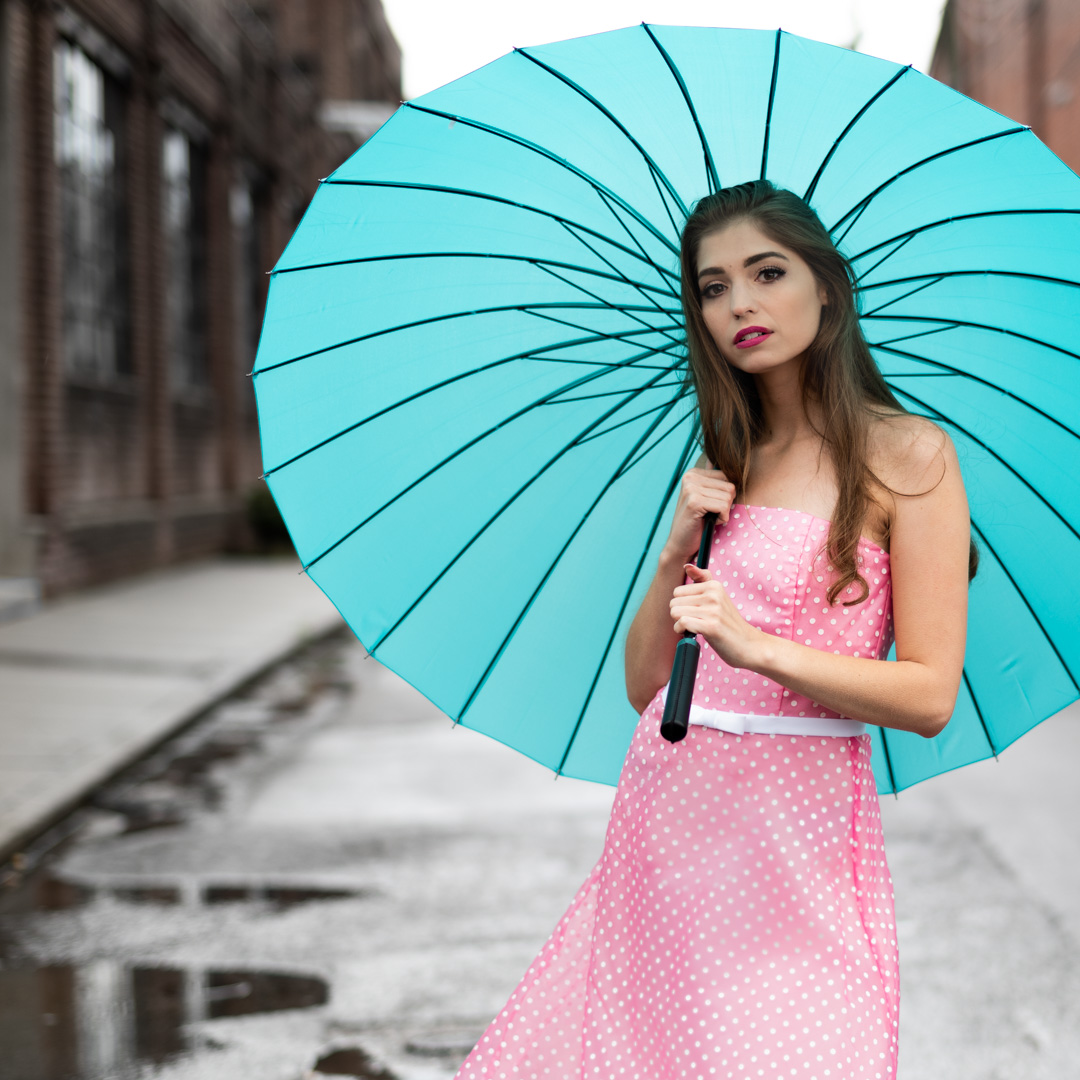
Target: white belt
{"type": "Point", "coordinates": [755, 724]}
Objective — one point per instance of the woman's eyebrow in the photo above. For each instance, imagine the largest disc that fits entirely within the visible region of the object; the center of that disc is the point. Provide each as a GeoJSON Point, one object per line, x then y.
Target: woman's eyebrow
{"type": "Point", "coordinates": [748, 262]}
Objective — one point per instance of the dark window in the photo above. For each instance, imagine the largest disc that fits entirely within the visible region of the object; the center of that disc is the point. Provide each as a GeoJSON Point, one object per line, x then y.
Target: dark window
{"type": "Point", "coordinates": [183, 176]}
{"type": "Point", "coordinates": [89, 148]}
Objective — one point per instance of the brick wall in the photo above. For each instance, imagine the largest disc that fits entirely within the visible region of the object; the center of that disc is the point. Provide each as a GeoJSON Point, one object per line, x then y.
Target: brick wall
{"type": "Point", "coordinates": [124, 473]}
{"type": "Point", "coordinates": [1020, 57]}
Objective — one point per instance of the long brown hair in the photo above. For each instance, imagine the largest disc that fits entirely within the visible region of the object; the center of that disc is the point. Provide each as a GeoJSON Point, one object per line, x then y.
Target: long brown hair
{"type": "Point", "coordinates": [839, 374]}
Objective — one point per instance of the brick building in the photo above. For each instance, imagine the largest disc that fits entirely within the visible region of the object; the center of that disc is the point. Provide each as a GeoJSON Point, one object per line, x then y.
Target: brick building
{"type": "Point", "coordinates": [1020, 57]}
{"type": "Point", "coordinates": [155, 156]}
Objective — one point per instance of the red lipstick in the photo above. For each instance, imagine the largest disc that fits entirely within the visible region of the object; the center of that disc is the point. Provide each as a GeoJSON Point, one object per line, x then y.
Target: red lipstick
{"type": "Point", "coordinates": [760, 335]}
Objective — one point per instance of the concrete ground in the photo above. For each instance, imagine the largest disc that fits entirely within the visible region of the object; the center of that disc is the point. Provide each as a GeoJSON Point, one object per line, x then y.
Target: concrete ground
{"type": "Point", "coordinates": [92, 681]}
{"type": "Point", "coordinates": [456, 857]}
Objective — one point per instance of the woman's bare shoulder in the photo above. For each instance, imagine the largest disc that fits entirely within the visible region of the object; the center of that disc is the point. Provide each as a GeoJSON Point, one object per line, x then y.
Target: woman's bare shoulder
{"type": "Point", "coordinates": [909, 454]}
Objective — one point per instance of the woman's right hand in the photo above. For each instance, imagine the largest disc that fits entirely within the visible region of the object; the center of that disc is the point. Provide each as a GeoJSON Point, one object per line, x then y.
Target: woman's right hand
{"type": "Point", "coordinates": [703, 491]}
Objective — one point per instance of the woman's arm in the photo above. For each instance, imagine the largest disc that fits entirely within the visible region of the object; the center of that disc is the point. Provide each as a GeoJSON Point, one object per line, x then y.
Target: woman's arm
{"type": "Point", "coordinates": [929, 538]}
{"type": "Point", "coordinates": [651, 641]}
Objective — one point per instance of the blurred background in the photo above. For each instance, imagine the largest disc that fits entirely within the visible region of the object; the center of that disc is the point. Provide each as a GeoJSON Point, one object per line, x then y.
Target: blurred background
{"type": "Point", "coordinates": [206, 789]}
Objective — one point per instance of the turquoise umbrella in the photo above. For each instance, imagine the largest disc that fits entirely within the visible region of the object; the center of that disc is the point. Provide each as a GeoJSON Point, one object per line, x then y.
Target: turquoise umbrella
{"type": "Point", "coordinates": [470, 378]}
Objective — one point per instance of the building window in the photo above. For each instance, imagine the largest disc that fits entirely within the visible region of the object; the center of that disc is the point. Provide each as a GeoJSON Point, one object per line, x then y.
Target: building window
{"type": "Point", "coordinates": [89, 148]}
{"type": "Point", "coordinates": [183, 169]}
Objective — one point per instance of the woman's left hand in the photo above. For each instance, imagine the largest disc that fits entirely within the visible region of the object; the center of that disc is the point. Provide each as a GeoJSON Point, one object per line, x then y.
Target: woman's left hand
{"type": "Point", "coordinates": [704, 607]}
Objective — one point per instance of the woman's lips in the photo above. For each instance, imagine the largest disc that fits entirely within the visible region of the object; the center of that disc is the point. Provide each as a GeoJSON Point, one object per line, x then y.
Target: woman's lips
{"type": "Point", "coordinates": [760, 335]}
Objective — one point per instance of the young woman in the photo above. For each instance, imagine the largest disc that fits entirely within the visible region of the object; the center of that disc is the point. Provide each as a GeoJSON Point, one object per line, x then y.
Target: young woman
{"type": "Point", "coordinates": [740, 920]}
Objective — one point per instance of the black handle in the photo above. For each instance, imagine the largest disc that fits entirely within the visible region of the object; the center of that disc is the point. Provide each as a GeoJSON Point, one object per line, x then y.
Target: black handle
{"type": "Point", "coordinates": [684, 670]}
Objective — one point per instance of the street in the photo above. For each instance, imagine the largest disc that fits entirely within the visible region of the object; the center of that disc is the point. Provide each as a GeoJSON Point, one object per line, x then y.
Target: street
{"type": "Point", "coordinates": [326, 873]}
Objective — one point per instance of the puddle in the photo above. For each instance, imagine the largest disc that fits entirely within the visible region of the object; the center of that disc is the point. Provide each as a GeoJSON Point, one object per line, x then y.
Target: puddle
{"type": "Point", "coordinates": [352, 1061]}
{"type": "Point", "coordinates": [100, 1020]}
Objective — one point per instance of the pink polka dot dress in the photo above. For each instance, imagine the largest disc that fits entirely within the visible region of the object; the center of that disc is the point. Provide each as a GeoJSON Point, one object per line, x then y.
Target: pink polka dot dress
{"type": "Point", "coordinates": [739, 922]}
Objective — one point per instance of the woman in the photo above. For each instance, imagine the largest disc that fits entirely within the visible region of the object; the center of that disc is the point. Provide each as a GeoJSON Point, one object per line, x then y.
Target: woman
{"type": "Point", "coordinates": [740, 920]}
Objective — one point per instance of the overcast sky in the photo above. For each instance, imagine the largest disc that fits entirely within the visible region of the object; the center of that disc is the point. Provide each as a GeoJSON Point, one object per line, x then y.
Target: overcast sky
{"type": "Point", "coordinates": [444, 39]}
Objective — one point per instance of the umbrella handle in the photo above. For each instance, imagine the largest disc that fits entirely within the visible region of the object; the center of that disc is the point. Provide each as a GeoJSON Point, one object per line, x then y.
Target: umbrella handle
{"type": "Point", "coordinates": [684, 670]}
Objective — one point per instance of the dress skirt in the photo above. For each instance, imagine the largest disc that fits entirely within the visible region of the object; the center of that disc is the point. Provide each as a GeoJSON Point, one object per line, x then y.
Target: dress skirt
{"type": "Point", "coordinates": [739, 923]}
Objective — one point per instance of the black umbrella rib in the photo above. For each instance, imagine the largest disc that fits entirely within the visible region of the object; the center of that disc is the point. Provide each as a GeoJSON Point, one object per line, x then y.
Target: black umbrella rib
{"type": "Point", "coordinates": [710, 165]}
{"type": "Point", "coordinates": [866, 200]}
{"type": "Point", "coordinates": [605, 111]}
{"type": "Point", "coordinates": [951, 220]}
{"type": "Point", "coordinates": [844, 134]}
{"type": "Point", "coordinates": [942, 274]}
{"type": "Point", "coordinates": [404, 256]}
{"type": "Point", "coordinates": [993, 453]}
{"type": "Point", "coordinates": [768, 114]}
{"type": "Point", "coordinates": [884, 258]}
{"type": "Point", "coordinates": [637, 416]}
{"type": "Point", "coordinates": [467, 446]}
{"type": "Point", "coordinates": [645, 290]}
{"type": "Point", "coordinates": [530, 309]}
{"type": "Point", "coordinates": [516, 357]}
{"type": "Point", "coordinates": [911, 337]}
{"type": "Point", "coordinates": [680, 468]}
{"type": "Point", "coordinates": [667, 274]}
{"type": "Point", "coordinates": [551, 569]}
{"type": "Point", "coordinates": [956, 323]}
{"type": "Point", "coordinates": [464, 193]}
{"type": "Point", "coordinates": [1031, 611]}
{"type": "Point", "coordinates": [978, 711]}
{"type": "Point", "coordinates": [592, 330]}
{"type": "Point", "coordinates": [612, 393]}
{"type": "Point", "coordinates": [875, 312]}
{"type": "Point", "coordinates": [576, 441]}
{"type": "Point", "coordinates": [527, 145]}
{"type": "Point", "coordinates": [607, 303]}
{"type": "Point", "coordinates": [643, 454]}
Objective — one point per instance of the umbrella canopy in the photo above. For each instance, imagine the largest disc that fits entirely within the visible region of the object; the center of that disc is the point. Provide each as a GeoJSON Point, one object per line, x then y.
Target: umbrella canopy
{"type": "Point", "coordinates": [470, 378]}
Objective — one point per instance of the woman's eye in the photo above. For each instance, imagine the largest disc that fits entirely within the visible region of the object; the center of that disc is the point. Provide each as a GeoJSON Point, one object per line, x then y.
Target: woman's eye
{"type": "Point", "coordinates": [771, 273]}
{"type": "Point", "coordinates": [712, 290]}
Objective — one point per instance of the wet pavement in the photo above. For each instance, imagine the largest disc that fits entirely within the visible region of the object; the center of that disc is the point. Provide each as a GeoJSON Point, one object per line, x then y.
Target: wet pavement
{"type": "Point", "coordinates": [324, 877]}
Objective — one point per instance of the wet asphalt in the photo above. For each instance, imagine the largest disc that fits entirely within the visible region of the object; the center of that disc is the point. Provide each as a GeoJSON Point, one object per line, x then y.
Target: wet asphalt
{"type": "Point", "coordinates": [325, 877]}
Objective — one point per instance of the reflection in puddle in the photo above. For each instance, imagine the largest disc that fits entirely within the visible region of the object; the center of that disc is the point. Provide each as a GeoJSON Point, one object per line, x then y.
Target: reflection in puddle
{"type": "Point", "coordinates": [98, 1020]}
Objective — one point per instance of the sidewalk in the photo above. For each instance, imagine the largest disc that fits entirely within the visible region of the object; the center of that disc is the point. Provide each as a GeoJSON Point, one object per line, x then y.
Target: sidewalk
{"type": "Point", "coordinates": [93, 681]}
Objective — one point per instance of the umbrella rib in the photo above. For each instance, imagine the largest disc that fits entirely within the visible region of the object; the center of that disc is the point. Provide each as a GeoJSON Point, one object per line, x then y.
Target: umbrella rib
{"type": "Point", "coordinates": [655, 443]}
{"type": "Point", "coordinates": [491, 521]}
{"type": "Point", "coordinates": [959, 217]}
{"type": "Point", "coordinates": [527, 145]}
{"type": "Point", "coordinates": [631, 419]}
{"type": "Point", "coordinates": [640, 286]}
{"type": "Point", "coordinates": [667, 274]}
{"type": "Point", "coordinates": [897, 299]}
{"type": "Point", "coordinates": [911, 337]}
{"type": "Point", "coordinates": [710, 165]}
{"type": "Point", "coordinates": [614, 119]}
{"type": "Point", "coordinates": [461, 450]}
{"type": "Point", "coordinates": [551, 568]}
{"type": "Point", "coordinates": [680, 468]}
{"type": "Point", "coordinates": [535, 260]}
{"type": "Point", "coordinates": [955, 323]}
{"type": "Point", "coordinates": [978, 711]}
{"type": "Point", "coordinates": [975, 439]}
{"type": "Point", "coordinates": [593, 330]}
{"type": "Point", "coordinates": [772, 98]}
{"type": "Point", "coordinates": [941, 275]}
{"type": "Point", "coordinates": [884, 258]}
{"type": "Point", "coordinates": [466, 194]}
{"type": "Point", "coordinates": [843, 134]}
{"type": "Point", "coordinates": [614, 307]}
{"type": "Point", "coordinates": [611, 393]}
{"type": "Point", "coordinates": [926, 161]}
{"type": "Point", "coordinates": [1027, 604]}
{"type": "Point", "coordinates": [449, 381]}
{"type": "Point", "coordinates": [530, 309]}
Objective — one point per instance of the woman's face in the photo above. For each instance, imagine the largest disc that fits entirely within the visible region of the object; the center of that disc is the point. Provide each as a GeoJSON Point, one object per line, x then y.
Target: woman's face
{"type": "Point", "coordinates": [760, 300]}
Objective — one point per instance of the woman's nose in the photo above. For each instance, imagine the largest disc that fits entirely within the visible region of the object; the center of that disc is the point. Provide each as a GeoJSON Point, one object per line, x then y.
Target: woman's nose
{"type": "Point", "coordinates": [741, 300]}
